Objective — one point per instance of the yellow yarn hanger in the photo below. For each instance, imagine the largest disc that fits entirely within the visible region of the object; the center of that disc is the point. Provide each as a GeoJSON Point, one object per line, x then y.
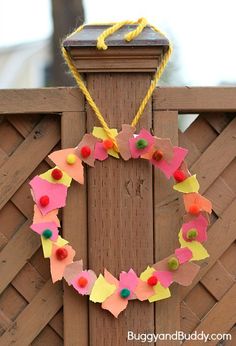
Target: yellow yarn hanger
{"type": "Point", "coordinates": [141, 24]}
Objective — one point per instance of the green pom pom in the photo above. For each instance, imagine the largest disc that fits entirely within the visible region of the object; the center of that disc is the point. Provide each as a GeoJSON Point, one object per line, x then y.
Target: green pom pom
{"type": "Point", "coordinates": [192, 234]}
{"type": "Point", "coordinates": [47, 233]}
{"type": "Point", "coordinates": [141, 143]}
{"type": "Point", "coordinates": [125, 293]}
{"type": "Point", "coordinates": [173, 263]}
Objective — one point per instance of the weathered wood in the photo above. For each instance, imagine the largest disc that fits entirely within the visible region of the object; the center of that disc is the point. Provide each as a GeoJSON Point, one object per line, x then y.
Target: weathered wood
{"type": "Point", "coordinates": [74, 230]}
{"type": "Point", "coordinates": [145, 59]}
{"type": "Point", "coordinates": [217, 156]}
{"type": "Point", "coordinates": [88, 37]}
{"type": "Point", "coordinates": [27, 156]}
{"type": "Point", "coordinates": [50, 100]}
{"type": "Point", "coordinates": [16, 253]}
{"type": "Point", "coordinates": [217, 280]}
{"type": "Point", "coordinates": [34, 317]}
{"type": "Point", "coordinates": [166, 223]}
{"type": "Point", "coordinates": [120, 212]}
{"type": "Point", "coordinates": [195, 99]}
{"type": "Point", "coordinates": [212, 323]}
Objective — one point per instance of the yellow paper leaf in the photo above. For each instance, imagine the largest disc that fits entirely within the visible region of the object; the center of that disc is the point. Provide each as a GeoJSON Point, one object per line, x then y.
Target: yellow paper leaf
{"type": "Point", "coordinates": [160, 293]}
{"type": "Point", "coordinates": [65, 180]}
{"type": "Point", "coordinates": [101, 290]}
{"type": "Point", "coordinates": [188, 185]}
{"type": "Point", "coordinates": [198, 250]}
{"type": "Point", "coordinates": [144, 276]}
{"type": "Point", "coordinates": [101, 134]}
{"type": "Point", "coordinates": [47, 245]}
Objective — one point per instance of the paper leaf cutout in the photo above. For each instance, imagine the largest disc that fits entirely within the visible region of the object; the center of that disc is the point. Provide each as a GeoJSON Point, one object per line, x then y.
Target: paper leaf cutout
{"type": "Point", "coordinates": [101, 134]}
{"type": "Point", "coordinates": [195, 198]}
{"type": "Point", "coordinates": [75, 171]}
{"type": "Point", "coordinates": [101, 290]}
{"type": "Point", "coordinates": [90, 141]}
{"type": "Point", "coordinates": [122, 140]}
{"type": "Point", "coordinates": [66, 179]}
{"type": "Point", "coordinates": [72, 270]}
{"type": "Point", "coordinates": [100, 153]}
{"type": "Point", "coordinates": [51, 216]}
{"type": "Point", "coordinates": [183, 254]}
{"type": "Point", "coordinates": [88, 275]}
{"type": "Point", "coordinates": [143, 291]}
{"type": "Point", "coordinates": [186, 273]}
{"type": "Point", "coordinates": [56, 193]}
{"type": "Point", "coordinates": [160, 293]}
{"type": "Point", "coordinates": [47, 245]}
{"type": "Point", "coordinates": [168, 168]}
{"type": "Point", "coordinates": [164, 145]}
{"type": "Point", "coordinates": [188, 185]}
{"type": "Point", "coordinates": [128, 280]}
{"type": "Point", "coordinates": [199, 224]}
{"type": "Point", "coordinates": [57, 267]}
{"type": "Point", "coordinates": [115, 304]}
{"type": "Point", "coordinates": [198, 250]}
{"type": "Point", "coordinates": [145, 135]}
{"type": "Point", "coordinates": [41, 227]}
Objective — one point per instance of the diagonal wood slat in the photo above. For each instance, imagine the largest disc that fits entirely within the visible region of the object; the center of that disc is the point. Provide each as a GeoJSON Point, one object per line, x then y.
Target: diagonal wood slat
{"type": "Point", "coordinates": [26, 158]}
{"type": "Point", "coordinates": [212, 323]}
{"type": "Point", "coordinates": [217, 156]}
{"type": "Point", "coordinates": [16, 253]}
{"type": "Point", "coordinates": [34, 317]}
{"type": "Point", "coordinates": [220, 237]}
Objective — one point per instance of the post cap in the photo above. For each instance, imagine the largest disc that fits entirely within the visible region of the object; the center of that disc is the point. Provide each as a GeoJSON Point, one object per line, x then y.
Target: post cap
{"type": "Point", "coordinates": [143, 54]}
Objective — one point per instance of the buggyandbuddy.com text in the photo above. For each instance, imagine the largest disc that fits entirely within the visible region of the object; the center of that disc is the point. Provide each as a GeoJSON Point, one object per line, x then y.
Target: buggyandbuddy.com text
{"type": "Point", "coordinates": [177, 336]}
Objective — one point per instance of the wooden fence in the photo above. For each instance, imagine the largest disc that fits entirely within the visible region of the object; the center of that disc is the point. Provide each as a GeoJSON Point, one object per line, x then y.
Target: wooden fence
{"type": "Point", "coordinates": [33, 311]}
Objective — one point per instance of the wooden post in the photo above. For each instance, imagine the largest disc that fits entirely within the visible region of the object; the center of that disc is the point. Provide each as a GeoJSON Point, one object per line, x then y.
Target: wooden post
{"type": "Point", "coordinates": [120, 194]}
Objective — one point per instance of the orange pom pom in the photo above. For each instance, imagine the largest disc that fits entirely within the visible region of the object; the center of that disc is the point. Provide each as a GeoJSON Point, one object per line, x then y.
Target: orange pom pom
{"type": "Point", "coordinates": [194, 209]}
{"type": "Point", "coordinates": [82, 282]}
{"type": "Point", "coordinates": [157, 155]}
{"type": "Point", "coordinates": [108, 144]}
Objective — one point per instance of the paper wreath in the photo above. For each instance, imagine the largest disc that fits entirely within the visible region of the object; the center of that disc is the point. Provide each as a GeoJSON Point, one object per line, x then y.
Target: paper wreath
{"type": "Point", "coordinates": [49, 192]}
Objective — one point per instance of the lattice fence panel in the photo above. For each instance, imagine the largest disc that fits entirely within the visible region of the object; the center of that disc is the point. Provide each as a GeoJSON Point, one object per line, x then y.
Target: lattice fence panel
{"type": "Point", "coordinates": [209, 304]}
{"type": "Point", "coordinates": [27, 298]}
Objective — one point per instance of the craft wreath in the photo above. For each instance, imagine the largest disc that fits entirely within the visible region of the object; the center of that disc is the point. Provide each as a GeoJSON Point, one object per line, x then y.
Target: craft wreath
{"type": "Point", "coordinates": [49, 191]}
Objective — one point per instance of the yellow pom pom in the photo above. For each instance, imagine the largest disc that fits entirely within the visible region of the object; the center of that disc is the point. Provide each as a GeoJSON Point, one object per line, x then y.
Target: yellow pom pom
{"type": "Point", "coordinates": [71, 159]}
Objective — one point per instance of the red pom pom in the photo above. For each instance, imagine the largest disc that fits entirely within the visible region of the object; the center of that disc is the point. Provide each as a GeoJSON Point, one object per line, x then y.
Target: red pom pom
{"type": "Point", "coordinates": [152, 281]}
{"type": "Point", "coordinates": [56, 174]}
{"type": "Point", "coordinates": [61, 253]}
{"type": "Point", "coordinates": [85, 151]}
{"type": "Point", "coordinates": [82, 282]}
{"type": "Point", "coordinates": [157, 155]}
{"type": "Point", "coordinates": [108, 144]}
{"type": "Point", "coordinates": [194, 209]}
{"type": "Point", "coordinates": [179, 176]}
{"type": "Point", "coordinates": [44, 201]}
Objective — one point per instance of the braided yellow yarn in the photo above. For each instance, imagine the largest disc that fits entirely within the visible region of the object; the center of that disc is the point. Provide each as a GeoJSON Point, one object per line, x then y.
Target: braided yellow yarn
{"type": "Point", "coordinates": [141, 24]}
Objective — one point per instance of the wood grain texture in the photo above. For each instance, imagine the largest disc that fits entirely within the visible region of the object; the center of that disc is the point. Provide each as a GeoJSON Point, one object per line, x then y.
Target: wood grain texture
{"type": "Point", "coordinates": [27, 156]}
{"type": "Point", "coordinates": [74, 230]}
{"type": "Point", "coordinates": [212, 323]}
{"type": "Point", "coordinates": [120, 213]}
{"type": "Point", "coordinates": [48, 100]}
{"type": "Point", "coordinates": [166, 223]}
{"type": "Point", "coordinates": [34, 317]}
{"type": "Point", "coordinates": [195, 99]}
